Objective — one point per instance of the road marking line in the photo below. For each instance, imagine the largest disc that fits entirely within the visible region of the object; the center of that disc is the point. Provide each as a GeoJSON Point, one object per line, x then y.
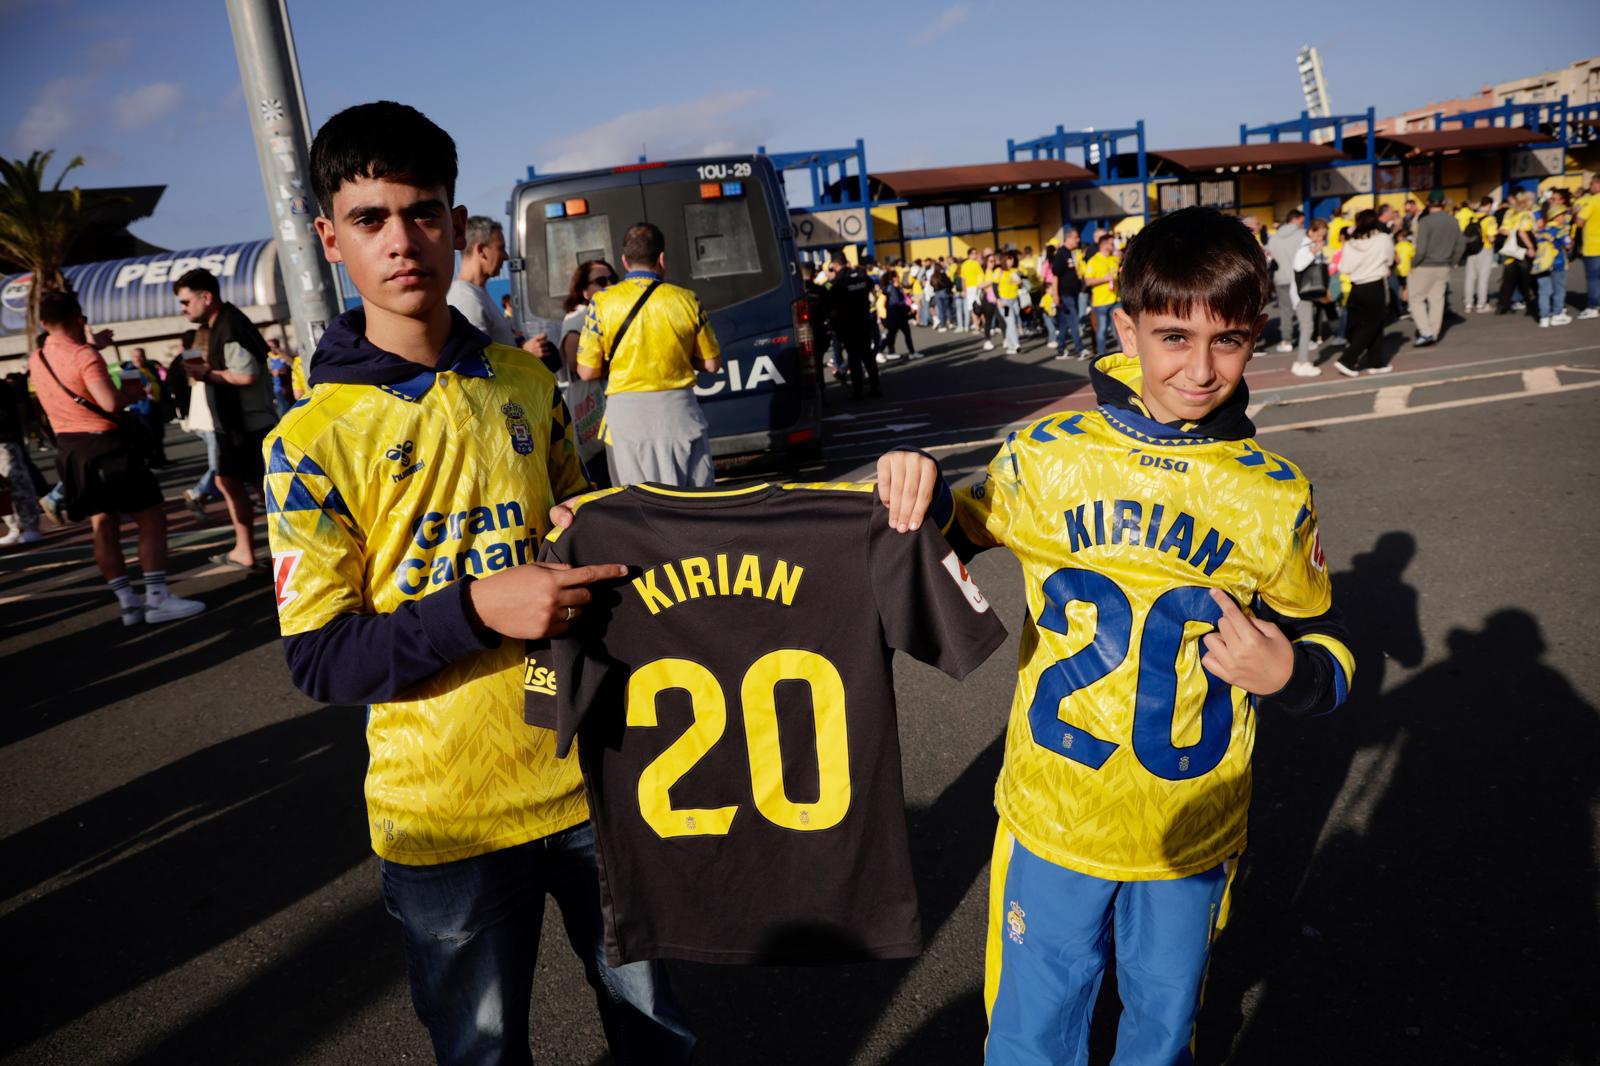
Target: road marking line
{"type": "Point", "coordinates": [1310, 423]}
{"type": "Point", "coordinates": [1391, 400]}
{"type": "Point", "coordinates": [1541, 379]}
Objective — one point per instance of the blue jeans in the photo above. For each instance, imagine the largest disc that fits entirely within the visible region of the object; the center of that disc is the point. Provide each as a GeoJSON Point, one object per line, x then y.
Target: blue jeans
{"type": "Point", "coordinates": [472, 938]}
{"type": "Point", "coordinates": [925, 308]}
{"type": "Point", "coordinates": [1591, 275]}
{"type": "Point", "coordinates": [1067, 338]}
{"type": "Point", "coordinates": [1104, 329]}
{"type": "Point", "coordinates": [1552, 293]}
{"type": "Point", "coordinates": [963, 311]}
{"type": "Point", "coordinates": [206, 487]}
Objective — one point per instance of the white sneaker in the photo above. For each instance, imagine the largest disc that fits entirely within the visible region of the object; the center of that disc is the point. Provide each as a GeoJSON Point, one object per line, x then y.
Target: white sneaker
{"type": "Point", "coordinates": [1563, 319]}
{"type": "Point", "coordinates": [917, 355]}
{"type": "Point", "coordinates": [882, 359]}
{"type": "Point", "coordinates": [13, 537]}
{"type": "Point", "coordinates": [1313, 346]}
{"type": "Point", "coordinates": [1589, 312]}
{"type": "Point", "coordinates": [1380, 369]}
{"type": "Point", "coordinates": [132, 616]}
{"type": "Point", "coordinates": [1305, 370]}
{"type": "Point", "coordinates": [1544, 323]}
{"type": "Point", "coordinates": [1284, 346]}
{"type": "Point", "coordinates": [1488, 309]}
{"type": "Point", "coordinates": [988, 346]}
{"type": "Point", "coordinates": [1346, 371]}
{"type": "Point", "coordinates": [169, 608]}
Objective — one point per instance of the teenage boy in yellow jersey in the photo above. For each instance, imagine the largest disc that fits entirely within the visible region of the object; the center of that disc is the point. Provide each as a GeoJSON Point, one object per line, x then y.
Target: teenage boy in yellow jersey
{"type": "Point", "coordinates": [405, 496]}
{"type": "Point", "coordinates": [1174, 579]}
{"type": "Point", "coordinates": [1100, 277]}
{"type": "Point", "coordinates": [1588, 217]}
{"type": "Point", "coordinates": [972, 275]}
{"type": "Point", "coordinates": [647, 338]}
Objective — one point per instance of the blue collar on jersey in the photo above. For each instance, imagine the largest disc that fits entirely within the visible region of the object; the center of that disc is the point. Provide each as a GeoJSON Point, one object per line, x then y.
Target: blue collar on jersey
{"type": "Point", "coordinates": [345, 356]}
{"type": "Point", "coordinates": [1115, 380]}
{"type": "Point", "coordinates": [651, 274]}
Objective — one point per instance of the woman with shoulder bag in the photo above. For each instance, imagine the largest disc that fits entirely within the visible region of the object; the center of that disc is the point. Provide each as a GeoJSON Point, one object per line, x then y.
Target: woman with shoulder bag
{"type": "Point", "coordinates": [1309, 293]}
{"type": "Point", "coordinates": [1365, 262]}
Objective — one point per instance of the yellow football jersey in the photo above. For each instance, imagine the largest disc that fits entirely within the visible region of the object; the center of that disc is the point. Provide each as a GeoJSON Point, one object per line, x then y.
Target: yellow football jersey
{"type": "Point", "coordinates": [658, 346]}
{"type": "Point", "coordinates": [377, 496]}
{"type": "Point", "coordinates": [1124, 758]}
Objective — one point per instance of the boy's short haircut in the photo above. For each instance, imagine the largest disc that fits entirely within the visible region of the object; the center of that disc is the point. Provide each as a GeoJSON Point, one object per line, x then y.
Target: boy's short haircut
{"type": "Point", "coordinates": [59, 309]}
{"type": "Point", "coordinates": [381, 140]}
{"type": "Point", "coordinates": [643, 244]}
{"type": "Point", "coordinates": [198, 280]}
{"type": "Point", "coordinates": [1196, 259]}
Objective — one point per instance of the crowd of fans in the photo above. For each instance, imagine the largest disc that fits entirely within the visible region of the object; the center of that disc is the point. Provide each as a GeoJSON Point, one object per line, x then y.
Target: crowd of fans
{"type": "Point", "coordinates": [1342, 281]}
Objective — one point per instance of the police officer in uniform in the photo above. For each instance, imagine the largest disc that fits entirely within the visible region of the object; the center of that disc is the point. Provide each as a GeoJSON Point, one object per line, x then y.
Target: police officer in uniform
{"type": "Point", "coordinates": [850, 315]}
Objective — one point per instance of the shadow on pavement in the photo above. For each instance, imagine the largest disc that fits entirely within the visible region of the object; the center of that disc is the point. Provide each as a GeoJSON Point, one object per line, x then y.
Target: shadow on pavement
{"type": "Point", "coordinates": [1451, 917]}
{"type": "Point", "coordinates": [173, 864]}
{"type": "Point", "coordinates": [80, 672]}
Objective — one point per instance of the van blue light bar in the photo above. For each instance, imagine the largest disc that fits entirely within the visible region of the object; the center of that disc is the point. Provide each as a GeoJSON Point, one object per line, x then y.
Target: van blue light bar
{"type": "Point", "coordinates": [555, 210]}
{"type": "Point", "coordinates": [733, 188]}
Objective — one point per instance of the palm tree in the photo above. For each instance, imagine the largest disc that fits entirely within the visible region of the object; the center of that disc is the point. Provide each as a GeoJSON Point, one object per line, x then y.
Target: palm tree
{"type": "Point", "coordinates": [38, 225]}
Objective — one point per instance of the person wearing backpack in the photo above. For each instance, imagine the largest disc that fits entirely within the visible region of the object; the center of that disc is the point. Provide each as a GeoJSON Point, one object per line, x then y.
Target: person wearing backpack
{"type": "Point", "coordinates": [1478, 227]}
{"type": "Point", "coordinates": [1516, 248]}
{"type": "Point", "coordinates": [1309, 292]}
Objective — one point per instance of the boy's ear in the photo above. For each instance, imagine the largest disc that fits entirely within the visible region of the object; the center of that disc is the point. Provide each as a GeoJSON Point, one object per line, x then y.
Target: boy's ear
{"type": "Point", "coordinates": [458, 219]}
{"type": "Point", "coordinates": [328, 240]}
{"type": "Point", "coordinates": [1127, 332]}
{"type": "Point", "coordinates": [1255, 335]}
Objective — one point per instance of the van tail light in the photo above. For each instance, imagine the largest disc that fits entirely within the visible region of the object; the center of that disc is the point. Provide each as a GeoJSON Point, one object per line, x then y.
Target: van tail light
{"type": "Point", "coordinates": [805, 339]}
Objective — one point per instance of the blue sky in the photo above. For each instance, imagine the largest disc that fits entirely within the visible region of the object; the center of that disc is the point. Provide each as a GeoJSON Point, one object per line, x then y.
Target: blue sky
{"type": "Point", "coordinates": [149, 93]}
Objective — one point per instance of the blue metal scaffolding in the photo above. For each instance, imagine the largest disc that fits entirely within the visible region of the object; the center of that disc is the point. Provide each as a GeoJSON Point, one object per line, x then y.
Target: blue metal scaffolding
{"type": "Point", "coordinates": [1101, 151]}
{"type": "Point", "coordinates": [1327, 184]}
{"type": "Point", "coordinates": [825, 183]}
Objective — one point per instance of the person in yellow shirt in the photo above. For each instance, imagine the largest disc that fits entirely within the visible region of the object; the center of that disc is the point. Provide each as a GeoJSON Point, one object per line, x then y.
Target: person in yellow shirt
{"type": "Point", "coordinates": [406, 497]}
{"type": "Point", "coordinates": [1100, 278]}
{"type": "Point", "coordinates": [1516, 251]}
{"type": "Point", "coordinates": [1405, 249]}
{"type": "Point", "coordinates": [1479, 231]}
{"type": "Point", "coordinates": [1008, 287]}
{"type": "Point", "coordinates": [1588, 217]}
{"type": "Point", "coordinates": [972, 275]}
{"type": "Point", "coordinates": [1337, 224]}
{"type": "Point", "coordinates": [648, 338]}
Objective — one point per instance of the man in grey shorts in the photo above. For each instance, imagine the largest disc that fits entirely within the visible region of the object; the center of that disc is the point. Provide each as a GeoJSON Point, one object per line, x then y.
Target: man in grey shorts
{"type": "Point", "coordinates": [647, 339]}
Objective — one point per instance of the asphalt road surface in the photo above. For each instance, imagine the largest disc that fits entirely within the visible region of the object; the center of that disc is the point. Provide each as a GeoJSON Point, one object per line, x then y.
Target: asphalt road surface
{"type": "Point", "coordinates": [183, 848]}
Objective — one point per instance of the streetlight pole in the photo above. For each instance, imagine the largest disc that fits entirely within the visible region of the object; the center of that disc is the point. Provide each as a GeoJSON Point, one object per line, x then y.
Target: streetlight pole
{"type": "Point", "coordinates": [269, 73]}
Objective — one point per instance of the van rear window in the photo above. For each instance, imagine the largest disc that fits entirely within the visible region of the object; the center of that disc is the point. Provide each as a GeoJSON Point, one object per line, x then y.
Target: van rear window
{"type": "Point", "coordinates": [722, 239]}
{"type": "Point", "coordinates": [570, 241]}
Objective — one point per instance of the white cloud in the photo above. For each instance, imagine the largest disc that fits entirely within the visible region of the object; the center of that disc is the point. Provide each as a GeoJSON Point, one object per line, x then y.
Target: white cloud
{"type": "Point", "coordinates": [948, 19]}
{"type": "Point", "coordinates": [146, 104]}
{"type": "Point", "coordinates": [56, 111]}
{"type": "Point", "coordinates": [711, 125]}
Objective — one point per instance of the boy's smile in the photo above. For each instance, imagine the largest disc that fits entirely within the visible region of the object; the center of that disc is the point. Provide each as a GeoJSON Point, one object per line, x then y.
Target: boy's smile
{"type": "Point", "coordinates": [1190, 365]}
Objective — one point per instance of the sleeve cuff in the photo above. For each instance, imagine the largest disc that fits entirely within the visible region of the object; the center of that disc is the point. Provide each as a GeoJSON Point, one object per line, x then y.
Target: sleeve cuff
{"type": "Point", "coordinates": [1306, 690]}
{"type": "Point", "coordinates": [448, 623]}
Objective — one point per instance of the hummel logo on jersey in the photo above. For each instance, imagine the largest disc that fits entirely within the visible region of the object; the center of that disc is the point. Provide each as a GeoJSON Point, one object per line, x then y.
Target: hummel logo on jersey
{"type": "Point", "coordinates": [969, 588]}
{"type": "Point", "coordinates": [401, 453]}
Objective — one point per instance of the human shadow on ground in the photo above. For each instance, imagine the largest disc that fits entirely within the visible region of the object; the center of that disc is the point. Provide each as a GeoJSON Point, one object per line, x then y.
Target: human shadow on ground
{"type": "Point", "coordinates": [1450, 916]}
{"type": "Point", "coordinates": [85, 670]}
{"type": "Point", "coordinates": [152, 874]}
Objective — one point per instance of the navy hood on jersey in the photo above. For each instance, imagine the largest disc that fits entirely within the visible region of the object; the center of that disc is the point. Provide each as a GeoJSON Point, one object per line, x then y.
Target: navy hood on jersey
{"type": "Point", "coordinates": [1113, 377]}
{"type": "Point", "coordinates": [345, 357]}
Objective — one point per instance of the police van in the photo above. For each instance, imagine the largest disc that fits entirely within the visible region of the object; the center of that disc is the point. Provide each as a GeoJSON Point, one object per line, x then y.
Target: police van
{"type": "Point", "coordinates": [728, 239]}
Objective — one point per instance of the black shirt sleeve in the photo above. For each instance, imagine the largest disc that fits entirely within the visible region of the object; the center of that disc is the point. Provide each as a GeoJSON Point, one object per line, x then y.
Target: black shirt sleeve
{"type": "Point", "coordinates": [929, 606]}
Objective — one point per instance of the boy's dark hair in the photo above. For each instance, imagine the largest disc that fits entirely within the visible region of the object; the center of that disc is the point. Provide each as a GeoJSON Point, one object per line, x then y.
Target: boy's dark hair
{"type": "Point", "coordinates": [1196, 258]}
{"type": "Point", "coordinates": [643, 244]}
{"type": "Point", "coordinates": [198, 280]}
{"type": "Point", "coordinates": [59, 309]}
{"type": "Point", "coordinates": [381, 140]}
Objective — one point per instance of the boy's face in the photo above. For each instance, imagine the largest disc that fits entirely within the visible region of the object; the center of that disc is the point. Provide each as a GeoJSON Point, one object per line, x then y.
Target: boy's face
{"type": "Point", "coordinates": [397, 240]}
{"type": "Point", "coordinates": [1191, 365]}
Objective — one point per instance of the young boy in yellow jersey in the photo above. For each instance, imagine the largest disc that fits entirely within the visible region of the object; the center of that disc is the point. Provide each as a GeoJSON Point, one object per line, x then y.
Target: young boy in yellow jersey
{"type": "Point", "coordinates": [1175, 581]}
{"type": "Point", "coordinates": [405, 498]}
{"type": "Point", "coordinates": [1405, 250]}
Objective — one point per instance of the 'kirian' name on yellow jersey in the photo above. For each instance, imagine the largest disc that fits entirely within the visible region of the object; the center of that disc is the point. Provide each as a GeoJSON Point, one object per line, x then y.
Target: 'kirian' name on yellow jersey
{"type": "Point", "coordinates": [380, 495]}
{"type": "Point", "coordinates": [1124, 758]}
